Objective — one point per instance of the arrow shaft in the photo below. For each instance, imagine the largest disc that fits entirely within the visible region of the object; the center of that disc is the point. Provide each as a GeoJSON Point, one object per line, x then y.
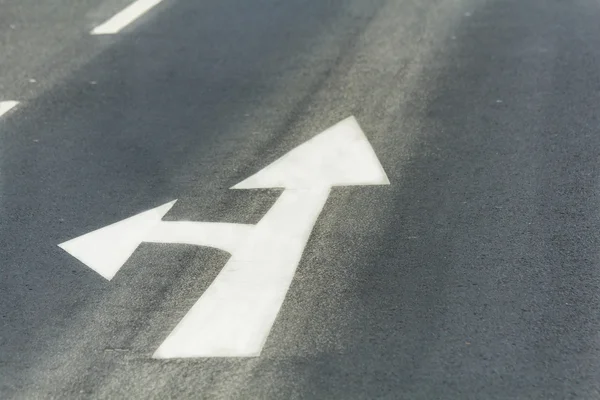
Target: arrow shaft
{"type": "Point", "coordinates": [224, 236]}
{"type": "Point", "coordinates": [234, 316]}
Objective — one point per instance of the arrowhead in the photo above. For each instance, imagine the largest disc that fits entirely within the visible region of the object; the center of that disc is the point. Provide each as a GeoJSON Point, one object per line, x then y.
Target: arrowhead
{"type": "Point", "coordinates": [340, 156]}
{"type": "Point", "coordinates": [106, 250]}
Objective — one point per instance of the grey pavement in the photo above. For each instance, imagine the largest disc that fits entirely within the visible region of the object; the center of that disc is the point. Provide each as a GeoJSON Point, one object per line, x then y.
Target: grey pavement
{"type": "Point", "coordinates": [474, 275]}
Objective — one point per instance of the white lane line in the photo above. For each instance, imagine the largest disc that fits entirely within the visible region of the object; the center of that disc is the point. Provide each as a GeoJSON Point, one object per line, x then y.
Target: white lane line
{"type": "Point", "coordinates": [125, 17]}
{"type": "Point", "coordinates": [6, 106]}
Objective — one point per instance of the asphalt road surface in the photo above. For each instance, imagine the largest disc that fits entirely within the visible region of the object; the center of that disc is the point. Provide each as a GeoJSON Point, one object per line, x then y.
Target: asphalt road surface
{"type": "Point", "coordinates": [475, 274]}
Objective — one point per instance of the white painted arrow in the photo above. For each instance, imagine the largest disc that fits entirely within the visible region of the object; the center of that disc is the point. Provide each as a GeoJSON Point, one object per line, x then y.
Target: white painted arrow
{"type": "Point", "coordinates": [107, 249]}
{"type": "Point", "coordinates": [234, 316]}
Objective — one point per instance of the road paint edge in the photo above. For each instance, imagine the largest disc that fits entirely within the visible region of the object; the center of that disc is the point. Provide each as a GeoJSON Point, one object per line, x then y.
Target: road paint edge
{"type": "Point", "coordinates": [6, 106]}
{"type": "Point", "coordinates": [125, 17]}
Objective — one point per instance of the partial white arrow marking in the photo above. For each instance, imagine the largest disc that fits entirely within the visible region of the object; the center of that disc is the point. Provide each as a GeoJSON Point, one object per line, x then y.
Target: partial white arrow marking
{"type": "Point", "coordinates": [6, 106]}
{"type": "Point", "coordinates": [234, 316]}
{"type": "Point", "coordinates": [106, 250]}
{"type": "Point", "coordinates": [224, 236]}
{"type": "Point", "coordinates": [340, 156]}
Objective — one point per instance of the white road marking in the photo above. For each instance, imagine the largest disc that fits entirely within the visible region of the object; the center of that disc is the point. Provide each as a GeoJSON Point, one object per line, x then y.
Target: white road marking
{"type": "Point", "coordinates": [340, 156]}
{"type": "Point", "coordinates": [106, 250]}
{"type": "Point", "coordinates": [6, 106]}
{"type": "Point", "coordinates": [234, 316]}
{"type": "Point", "coordinates": [125, 17]}
{"type": "Point", "coordinates": [219, 235]}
